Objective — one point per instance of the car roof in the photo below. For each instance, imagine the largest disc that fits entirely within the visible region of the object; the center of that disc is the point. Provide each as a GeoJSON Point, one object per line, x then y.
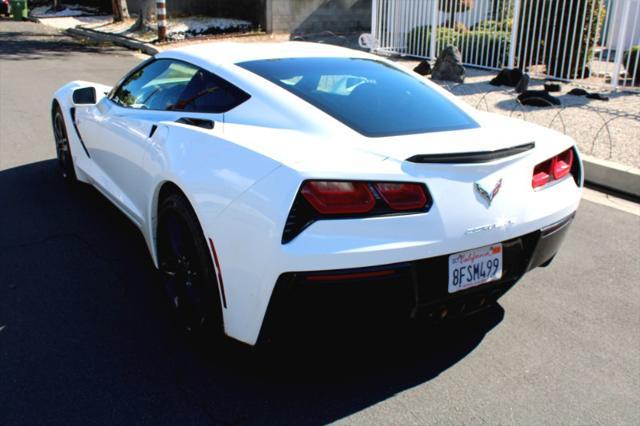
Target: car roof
{"type": "Point", "coordinates": [224, 53]}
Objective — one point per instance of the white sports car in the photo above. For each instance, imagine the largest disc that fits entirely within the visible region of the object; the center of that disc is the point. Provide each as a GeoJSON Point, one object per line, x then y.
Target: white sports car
{"type": "Point", "coordinates": [265, 177]}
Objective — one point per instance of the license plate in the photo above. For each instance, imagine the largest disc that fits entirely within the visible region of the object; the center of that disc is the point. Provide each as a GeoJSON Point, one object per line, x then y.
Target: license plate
{"type": "Point", "coordinates": [475, 267]}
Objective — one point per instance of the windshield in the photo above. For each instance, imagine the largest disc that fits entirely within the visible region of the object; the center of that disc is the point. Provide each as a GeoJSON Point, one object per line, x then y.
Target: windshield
{"type": "Point", "coordinates": [369, 96]}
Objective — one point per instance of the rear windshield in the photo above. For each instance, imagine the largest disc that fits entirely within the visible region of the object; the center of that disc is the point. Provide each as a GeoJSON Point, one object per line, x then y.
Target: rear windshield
{"type": "Point", "coordinates": [369, 96]}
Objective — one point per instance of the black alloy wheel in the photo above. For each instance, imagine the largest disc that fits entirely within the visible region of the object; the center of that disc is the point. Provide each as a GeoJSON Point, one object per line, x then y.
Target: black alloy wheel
{"type": "Point", "coordinates": [63, 150]}
{"type": "Point", "coordinates": [187, 269]}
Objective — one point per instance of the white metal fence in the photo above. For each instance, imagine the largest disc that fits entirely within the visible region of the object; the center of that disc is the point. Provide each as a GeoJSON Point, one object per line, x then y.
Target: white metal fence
{"type": "Point", "coordinates": [586, 40]}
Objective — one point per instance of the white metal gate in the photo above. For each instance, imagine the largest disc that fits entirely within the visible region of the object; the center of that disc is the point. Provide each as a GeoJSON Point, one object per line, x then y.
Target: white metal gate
{"type": "Point", "coordinates": [582, 40]}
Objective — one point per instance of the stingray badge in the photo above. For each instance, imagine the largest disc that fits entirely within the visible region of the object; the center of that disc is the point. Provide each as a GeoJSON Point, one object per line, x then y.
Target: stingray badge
{"type": "Point", "coordinates": [488, 196]}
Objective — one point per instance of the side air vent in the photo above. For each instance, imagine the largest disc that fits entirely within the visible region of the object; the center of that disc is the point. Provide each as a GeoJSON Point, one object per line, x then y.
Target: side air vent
{"type": "Point", "coordinates": [197, 122]}
{"type": "Point", "coordinates": [472, 157]}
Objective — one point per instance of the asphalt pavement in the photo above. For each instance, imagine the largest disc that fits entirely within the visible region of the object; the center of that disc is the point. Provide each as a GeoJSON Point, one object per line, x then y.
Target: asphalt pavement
{"type": "Point", "coordinates": [85, 337]}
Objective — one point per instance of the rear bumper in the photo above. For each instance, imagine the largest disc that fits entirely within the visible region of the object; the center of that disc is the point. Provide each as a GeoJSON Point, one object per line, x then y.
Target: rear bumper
{"type": "Point", "coordinates": [409, 289]}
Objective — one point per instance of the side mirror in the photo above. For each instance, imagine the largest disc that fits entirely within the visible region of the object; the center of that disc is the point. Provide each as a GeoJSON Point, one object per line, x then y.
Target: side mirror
{"type": "Point", "coordinates": [84, 96]}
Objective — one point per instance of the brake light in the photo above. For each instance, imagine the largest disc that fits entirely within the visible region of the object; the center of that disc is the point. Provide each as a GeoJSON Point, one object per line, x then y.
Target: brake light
{"type": "Point", "coordinates": [562, 164]}
{"type": "Point", "coordinates": [554, 168]}
{"type": "Point", "coordinates": [403, 196]}
{"type": "Point", "coordinates": [338, 197]}
{"type": "Point", "coordinates": [542, 174]}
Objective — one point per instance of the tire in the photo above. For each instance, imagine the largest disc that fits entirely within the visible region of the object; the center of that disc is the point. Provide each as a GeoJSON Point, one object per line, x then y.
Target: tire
{"type": "Point", "coordinates": [187, 269]}
{"type": "Point", "coordinates": [63, 148]}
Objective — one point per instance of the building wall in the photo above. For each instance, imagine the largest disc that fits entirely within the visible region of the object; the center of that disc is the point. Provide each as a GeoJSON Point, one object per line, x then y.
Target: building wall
{"type": "Point", "coordinates": [250, 10]}
{"type": "Point", "coordinates": [290, 16]}
{"type": "Point", "coordinates": [314, 16]}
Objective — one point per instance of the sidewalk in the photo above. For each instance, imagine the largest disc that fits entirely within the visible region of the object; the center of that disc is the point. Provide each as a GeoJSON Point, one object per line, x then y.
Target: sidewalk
{"type": "Point", "coordinates": [607, 133]}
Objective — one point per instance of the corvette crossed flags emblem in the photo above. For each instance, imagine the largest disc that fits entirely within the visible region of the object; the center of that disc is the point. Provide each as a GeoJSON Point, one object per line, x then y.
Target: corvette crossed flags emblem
{"type": "Point", "coordinates": [488, 196]}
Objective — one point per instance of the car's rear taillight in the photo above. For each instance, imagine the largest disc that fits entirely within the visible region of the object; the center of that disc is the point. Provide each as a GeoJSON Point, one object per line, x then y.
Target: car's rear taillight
{"type": "Point", "coordinates": [338, 197]}
{"type": "Point", "coordinates": [554, 168]}
{"type": "Point", "coordinates": [333, 199]}
{"type": "Point", "coordinates": [402, 196]}
{"type": "Point", "coordinates": [542, 174]}
{"type": "Point", "coordinates": [562, 164]}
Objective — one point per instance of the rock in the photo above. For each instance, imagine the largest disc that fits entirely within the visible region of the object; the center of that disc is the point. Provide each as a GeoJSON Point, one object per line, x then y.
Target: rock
{"type": "Point", "coordinates": [423, 68]}
{"type": "Point", "coordinates": [507, 77]}
{"type": "Point", "coordinates": [538, 98]}
{"type": "Point", "coordinates": [598, 97]}
{"type": "Point", "coordinates": [577, 92]}
{"type": "Point", "coordinates": [523, 84]}
{"type": "Point", "coordinates": [449, 66]}
{"type": "Point", "coordinates": [593, 95]}
{"type": "Point", "coordinates": [551, 86]}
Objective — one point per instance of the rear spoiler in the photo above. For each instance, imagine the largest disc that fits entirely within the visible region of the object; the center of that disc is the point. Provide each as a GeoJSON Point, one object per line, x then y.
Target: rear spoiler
{"type": "Point", "coordinates": [472, 157]}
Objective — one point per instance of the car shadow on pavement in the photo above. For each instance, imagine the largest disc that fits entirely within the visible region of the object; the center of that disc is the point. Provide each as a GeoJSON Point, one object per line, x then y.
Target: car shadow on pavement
{"type": "Point", "coordinates": [85, 337]}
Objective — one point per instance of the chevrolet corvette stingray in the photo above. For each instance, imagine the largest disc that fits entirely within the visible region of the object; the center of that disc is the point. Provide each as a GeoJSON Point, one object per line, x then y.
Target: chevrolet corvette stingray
{"type": "Point", "coordinates": [271, 178]}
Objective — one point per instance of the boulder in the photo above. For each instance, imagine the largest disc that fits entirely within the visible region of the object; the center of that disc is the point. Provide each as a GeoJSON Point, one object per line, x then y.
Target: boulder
{"type": "Point", "coordinates": [523, 84]}
{"type": "Point", "coordinates": [423, 68]}
{"type": "Point", "coordinates": [507, 77]}
{"type": "Point", "coordinates": [449, 66]}
{"type": "Point", "coordinates": [538, 98]}
{"type": "Point", "coordinates": [550, 86]}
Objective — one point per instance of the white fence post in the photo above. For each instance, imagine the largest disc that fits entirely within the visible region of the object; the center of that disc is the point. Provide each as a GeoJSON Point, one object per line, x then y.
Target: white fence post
{"type": "Point", "coordinates": [514, 33]}
{"type": "Point", "coordinates": [374, 24]}
{"type": "Point", "coordinates": [615, 75]}
{"type": "Point", "coordinates": [434, 29]}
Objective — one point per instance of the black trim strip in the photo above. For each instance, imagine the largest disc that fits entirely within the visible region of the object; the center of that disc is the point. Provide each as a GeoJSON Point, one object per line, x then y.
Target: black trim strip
{"type": "Point", "coordinates": [197, 122]}
{"type": "Point", "coordinates": [472, 157]}
{"type": "Point", "coordinates": [73, 120]}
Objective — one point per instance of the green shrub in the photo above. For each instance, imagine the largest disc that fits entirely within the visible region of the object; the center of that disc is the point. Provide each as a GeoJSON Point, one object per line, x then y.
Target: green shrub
{"type": "Point", "coordinates": [491, 25]}
{"type": "Point", "coordinates": [481, 47]}
{"type": "Point", "coordinates": [632, 58]}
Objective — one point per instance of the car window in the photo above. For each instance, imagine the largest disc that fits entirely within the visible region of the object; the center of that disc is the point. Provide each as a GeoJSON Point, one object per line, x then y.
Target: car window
{"type": "Point", "coordinates": [169, 85]}
{"type": "Point", "coordinates": [155, 86]}
{"type": "Point", "coordinates": [369, 96]}
{"type": "Point", "coordinates": [340, 84]}
{"type": "Point", "coordinates": [207, 92]}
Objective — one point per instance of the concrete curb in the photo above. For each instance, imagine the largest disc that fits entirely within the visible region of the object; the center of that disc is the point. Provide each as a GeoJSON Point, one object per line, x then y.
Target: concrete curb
{"type": "Point", "coordinates": [127, 42]}
{"type": "Point", "coordinates": [624, 179]}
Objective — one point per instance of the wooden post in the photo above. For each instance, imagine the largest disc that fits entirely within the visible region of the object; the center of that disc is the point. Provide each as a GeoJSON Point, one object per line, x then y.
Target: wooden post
{"type": "Point", "coordinates": [161, 17]}
{"type": "Point", "coordinates": [120, 10]}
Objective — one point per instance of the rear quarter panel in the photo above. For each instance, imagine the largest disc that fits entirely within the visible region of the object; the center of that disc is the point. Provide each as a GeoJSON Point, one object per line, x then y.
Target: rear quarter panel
{"type": "Point", "coordinates": [211, 171]}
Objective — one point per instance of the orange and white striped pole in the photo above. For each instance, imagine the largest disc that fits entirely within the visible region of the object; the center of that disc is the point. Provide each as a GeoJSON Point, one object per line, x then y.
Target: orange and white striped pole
{"type": "Point", "coordinates": [161, 17]}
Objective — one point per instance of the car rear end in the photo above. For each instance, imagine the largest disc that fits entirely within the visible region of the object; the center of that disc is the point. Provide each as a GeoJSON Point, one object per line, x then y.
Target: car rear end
{"type": "Point", "coordinates": [450, 253]}
{"type": "Point", "coordinates": [406, 204]}
{"type": "Point", "coordinates": [323, 243]}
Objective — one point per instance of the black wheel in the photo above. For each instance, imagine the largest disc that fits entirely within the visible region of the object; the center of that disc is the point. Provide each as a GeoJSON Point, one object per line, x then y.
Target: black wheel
{"type": "Point", "coordinates": [63, 150]}
{"type": "Point", "coordinates": [187, 269]}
